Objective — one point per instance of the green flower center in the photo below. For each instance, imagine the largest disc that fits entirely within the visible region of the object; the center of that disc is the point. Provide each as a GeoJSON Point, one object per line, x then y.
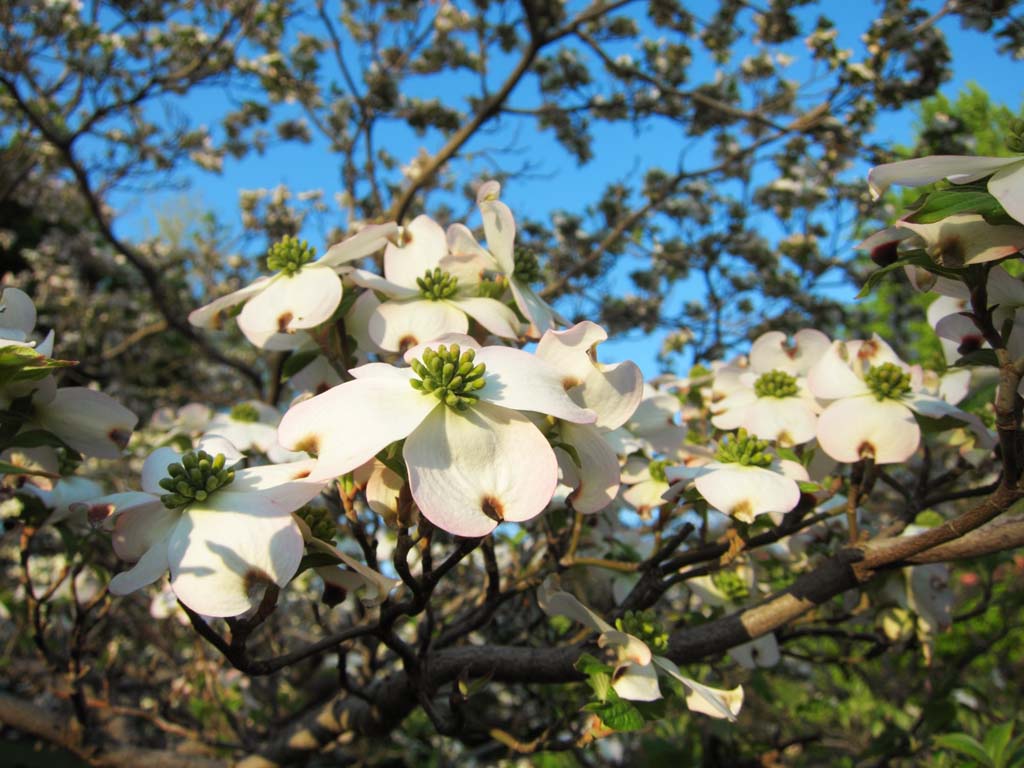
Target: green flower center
{"type": "Point", "coordinates": [320, 521]}
{"type": "Point", "coordinates": [450, 375]}
{"type": "Point", "coordinates": [887, 381]}
{"type": "Point", "coordinates": [776, 384]}
{"type": "Point", "coordinates": [437, 284]}
{"type": "Point", "coordinates": [527, 268]}
{"type": "Point", "coordinates": [195, 478]}
{"type": "Point", "coordinates": [656, 469]}
{"type": "Point", "coordinates": [645, 626]}
{"type": "Point", "coordinates": [288, 255]}
{"type": "Point", "coordinates": [745, 450]}
{"type": "Point", "coordinates": [245, 412]}
{"type": "Point", "coordinates": [732, 585]}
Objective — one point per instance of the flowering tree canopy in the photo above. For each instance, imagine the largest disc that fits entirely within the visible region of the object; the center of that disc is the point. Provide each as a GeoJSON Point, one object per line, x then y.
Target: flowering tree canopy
{"type": "Point", "coordinates": [273, 512]}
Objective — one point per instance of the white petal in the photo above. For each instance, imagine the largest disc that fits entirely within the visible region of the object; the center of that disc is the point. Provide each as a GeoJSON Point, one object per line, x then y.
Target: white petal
{"type": "Point", "coordinates": [762, 652]}
{"type": "Point", "coordinates": [645, 495]}
{"type": "Point", "coordinates": [221, 560]}
{"type": "Point", "coordinates": [17, 314]}
{"type": "Point", "coordinates": [139, 528]}
{"type": "Point", "coordinates": [491, 314]}
{"type": "Point", "coordinates": [290, 303]}
{"type": "Point", "coordinates": [150, 567]}
{"type": "Point", "coordinates": [746, 492]}
{"type": "Point", "coordinates": [637, 683]}
{"type": "Point", "coordinates": [272, 489]}
{"type": "Point", "coordinates": [397, 325]}
{"type": "Point", "coordinates": [500, 229]}
{"type": "Point", "coordinates": [470, 470]}
{"type": "Point", "coordinates": [959, 169]}
{"type": "Point", "coordinates": [90, 422]}
{"type": "Point", "coordinates": [363, 243]}
{"type": "Point", "coordinates": [849, 428]}
{"type": "Point", "coordinates": [375, 282]}
{"type": "Point", "coordinates": [154, 469]}
{"type": "Point", "coordinates": [968, 239]}
{"type": "Point", "coordinates": [541, 315]}
{"type": "Point", "coordinates": [462, 245]}
{"type": "Point", "coordinates": [519, 380]}
{"type": "Point", "coordinates": [1007, 186]}
{"type": "Point", "coordinates": [598, 473]}
{"type": "Point", "coordinates": [832, 378]}
{"type": "Point", "coordinates": [788, 420]}
{"type": "Point", "coordinates": [377, 585]}
{"type": "Point", "coordinates": [212, 315]}
{"type": "Point", "coordinates": [555, 602]}
{"type": "Point", "coordinates": [425, 246]}
{"type": "Point", "coordinates": [347, 425]}
{"type": "Point", "coordinates": [214, 444]}
{"type": "Point", "coordinates": [771, 352]}
{"type": "Point", "coordinates": [708, 701]}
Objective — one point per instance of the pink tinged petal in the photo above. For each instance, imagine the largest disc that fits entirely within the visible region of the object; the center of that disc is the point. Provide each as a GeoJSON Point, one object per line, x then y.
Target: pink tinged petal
{"type": "Point", "coordinates": [771, 351]}
{"type": "Point", "coordinates": [887, 236]}
{"type": "Point", "coordinates": [516, 379]}
{"type": "Point", "coordinates": [425, 246]}
{"type": "Point", "coordinates": [646, 495]}
{"type": "Point", "coordinates": [637, 682]}
{"type": "Point", "coordinates": [961, 329]}
{"type": "Point", "coordinates": [932, 407]}
{"type": "Point", "coordinates": [955, 385]}
{"type": "Point", "coordinates": [470, 470]}
{"type": "Point", "coordinates": [375, 282]}
{"type": "Point", "coordinates": [221, 561]}
{"type": "Point", "coordinates": [346, 426]}
{"type": "Point", "coordinates": [212, 315]}
{"type": "Point", "coordinates": [832, 378]}
{"type": "Point", "coordinates": [363, 243]}
{"type": "Point", "coordinates": [151, 566]}
{"type": "Point", "coordinates": [538, 312]}
{"type": "Point", "coordinates": [598, 473]}
{"type": "Point", "coordinates": [290, 303]}
{"type": "Point", "coordinates": [317, 377]}
{"type": "Point", "coordinates": [491, 314]}
{"type": "Point", "coordinates": [945, 305]}
{"type": "Point", "coordinates": [1007, 186]}
{"type": "Point", "coordinates": [788, 421]}
{"type": "Point", "coordinates": [746, 492]}
{"type": "Point", "coordinates": [968, 239]}
{"type": "Point", "coordinates": [713, 702]}
{"type": "Point", "coordinates": [851, 429]}
{"type": "Point", "coordinates": [139, 528]}
{"type": "Point", "coordinates": [397, 325]}
{"type": "Point", "coordinates": [383, 489]}
{"type": "Point", "coordinates": [960, 169]}
{"type": "Point", "coordinates": [555, 602]}
{"type": "Point", "coordinates": [500, 230]}
{"type": "Point", "coordinates": [90, 422]}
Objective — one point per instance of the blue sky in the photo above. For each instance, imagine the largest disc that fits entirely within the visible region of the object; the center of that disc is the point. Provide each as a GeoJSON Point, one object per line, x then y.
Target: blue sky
{"type": "Point", "coordinates": [619, 150]}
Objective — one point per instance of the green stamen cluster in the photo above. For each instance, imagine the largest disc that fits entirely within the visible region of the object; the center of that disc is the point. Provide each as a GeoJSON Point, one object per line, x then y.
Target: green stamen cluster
{"type": "Point", "coordinates": [245, 412]}
{"type": "Point", "coordinates": [527, 268]}
{"type": "Point", "coordinates": [732, 585]}
{"type": "Point", "coordinates": [1015, 138]}
{"type": "Point", "coordinates": [437, 284]}
{"type": "Point", "coordinates": [745, 450]}
{"type": "Point", "coordinates": [449, 374]}
{"type": "Point", "coordinates": [645, 626]}
{"type": "Point", "coordinates": [887, 381]}
{"type": "Point", "coordinates": [776, 384]}
{"type": "Point", "coordinates": [321, 523]}
{"type": "Point", "coordinates": [197, 476]}
{"type": "Point", "coordinates": [288, 255]}
{"type": "Point", "coordinates": [656, 469]}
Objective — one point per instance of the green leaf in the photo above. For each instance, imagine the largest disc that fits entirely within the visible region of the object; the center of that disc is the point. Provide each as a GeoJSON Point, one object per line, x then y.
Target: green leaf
{"type": "Point", "coordinates": [965, 745]}
{"type": "Point", "coordinates": [996, 741]}
{"type": "Point", "coordinates": [944, 203]}
{"type": "Point", "coordinates": [296, 362]}
{"type": "Point", "coordinates": [916, 258]}
{"type": "Point", "coordinates": [619, 715]}
{"type": "Point", "coordinates": [978, 357]}
{"type": "Point", "coordinates": [25, 364]}
{"type": "Point", "coordinates": [807, 487]}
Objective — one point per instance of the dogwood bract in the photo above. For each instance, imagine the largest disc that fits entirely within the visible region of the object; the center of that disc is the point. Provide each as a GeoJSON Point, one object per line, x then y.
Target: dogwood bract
{"type": "Point", "coordinates": [473, 459]}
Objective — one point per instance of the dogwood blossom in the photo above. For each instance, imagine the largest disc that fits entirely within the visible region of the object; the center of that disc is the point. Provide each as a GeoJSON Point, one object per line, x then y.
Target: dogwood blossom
{"type": "Point", "coordinates": [636, 671]}
{"type": "Point", "coordinates": [302, 295]}
{"type": "Point", "coordinates": [472, 457]}
{"type": "Point", "coordinates": [223, 534]}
